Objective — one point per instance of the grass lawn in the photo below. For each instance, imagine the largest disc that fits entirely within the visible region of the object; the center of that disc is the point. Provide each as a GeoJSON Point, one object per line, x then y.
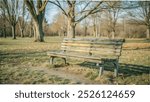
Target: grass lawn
{"type": "Point", "coordinates": [23, 61]}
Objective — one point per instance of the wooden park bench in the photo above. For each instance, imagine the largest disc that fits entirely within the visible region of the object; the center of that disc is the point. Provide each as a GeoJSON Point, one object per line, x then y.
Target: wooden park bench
{"type": "Point", "coordinates": [91, 49]}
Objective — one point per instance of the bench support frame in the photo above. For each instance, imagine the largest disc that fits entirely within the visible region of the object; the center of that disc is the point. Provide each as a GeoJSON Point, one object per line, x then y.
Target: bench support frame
{"type": "Point", "coordinates": [52, 59]}
{"type": "Point", "coordinates": [101, 65]}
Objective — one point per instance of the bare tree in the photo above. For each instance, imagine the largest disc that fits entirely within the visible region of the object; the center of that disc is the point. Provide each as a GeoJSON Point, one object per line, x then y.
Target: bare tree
{"type": "Point", "coordinates": [2, 16]}
{"type": "Point", "coordinates": [141, 15]}
{"type": "Point", "coordinates": [11, 8]}
{"type": "Point", "coordinates": [31, 28]}
{"type": "Point", "coordinates": [94, 18]}
{"type": "Point", "coordinates": [85, 24]}
{"type": "Point", "coordinates": [22, 18]}
{"type": "Point", "coordinates": [113, 14]}
{"type": "Point", "coordinates": [37, 11]}
{"type": "Point", "coordinates": [75, 14]}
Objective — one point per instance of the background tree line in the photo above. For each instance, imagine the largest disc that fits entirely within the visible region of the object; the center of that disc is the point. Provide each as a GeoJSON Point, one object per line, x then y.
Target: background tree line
{"type": "Point", "coordinates": [26, 18]}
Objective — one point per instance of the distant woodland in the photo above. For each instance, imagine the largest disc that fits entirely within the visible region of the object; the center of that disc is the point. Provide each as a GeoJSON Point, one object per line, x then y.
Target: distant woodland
{"type": "Point", "coordinates": [112, 19]}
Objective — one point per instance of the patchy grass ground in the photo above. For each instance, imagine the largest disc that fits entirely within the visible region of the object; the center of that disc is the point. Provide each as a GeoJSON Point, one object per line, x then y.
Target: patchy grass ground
{"type": "Point", "coordinates": [23, 61]}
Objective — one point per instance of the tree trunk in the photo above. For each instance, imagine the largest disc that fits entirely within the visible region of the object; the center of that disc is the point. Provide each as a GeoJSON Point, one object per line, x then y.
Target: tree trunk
{"type": "Point", "coordinates": [4, 31]}
{"type": "Point", "coordinates": [31, 28]}
{"type": "Point", "coordinates": [13, 31]}
{"type": "Point", "coordinates": [113, 35]}
{"type": "Point", "coordinates": [30, 35]}
{"type": "Point", "coordinates": [95, 27]}
{"type": "Point", "coordinates": [85, 31]}
{"type": "Point", "coordinates": [34, 32]}
{"type": "Point", "coordinates": [71, 21]}
{"type": "Point", "coordinates": [99, 31]}
{"type": "Point", "coordinates": [22, 34]}
{"type": "Point", "coordinates": [71, 28]}
{"type": "Point", "coordinates": [148, 32]}
{"type": "Point", "coordinates": [94, 30]}
{"type": "Point", "coordinates": [38, 32]}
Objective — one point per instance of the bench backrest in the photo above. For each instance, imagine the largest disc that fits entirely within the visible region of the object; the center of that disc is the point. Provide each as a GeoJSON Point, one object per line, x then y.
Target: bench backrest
{"type": "Point", "coordinates": [102, 48]}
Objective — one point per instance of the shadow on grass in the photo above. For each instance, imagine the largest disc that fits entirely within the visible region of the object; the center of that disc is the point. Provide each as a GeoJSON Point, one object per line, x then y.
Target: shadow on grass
{"type": "Point", "coordinates": [126, 69]}
{"type": "Point", "coordinates": [131, 69]}
{"type": "Point", "coordinates": [21, 54]}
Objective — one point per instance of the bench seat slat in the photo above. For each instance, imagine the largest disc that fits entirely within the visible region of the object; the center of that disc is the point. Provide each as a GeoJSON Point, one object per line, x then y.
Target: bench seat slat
{"type": "Point", "coordinates": [62, 54]}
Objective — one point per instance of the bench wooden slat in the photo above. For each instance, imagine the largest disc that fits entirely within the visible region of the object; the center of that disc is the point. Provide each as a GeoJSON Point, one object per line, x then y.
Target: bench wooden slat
{"type": "Point", "coordinates": [98, 53]}
{"type": "Point", "coordinates": [88, 49]}
{"type": "Point", "coordinates": [92, 39]}
{"type": "Point", "coordinates": [99, 43]}
{"type": "Point", "coordinates": [81, 56]}
{"type": "Point", "coordinates": [76, 44]}
{"type": "Point", "coordinates": [91, 46]}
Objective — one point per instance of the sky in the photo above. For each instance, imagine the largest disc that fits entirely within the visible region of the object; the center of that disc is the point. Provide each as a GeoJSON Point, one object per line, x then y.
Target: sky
{"type": "Point", "coordinates": [51, 11]}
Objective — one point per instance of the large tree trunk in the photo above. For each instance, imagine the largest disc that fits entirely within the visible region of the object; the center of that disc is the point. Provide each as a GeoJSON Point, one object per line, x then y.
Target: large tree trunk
{"type": "Point", "coordinates": [38, 32]}
{"type": "Point", "coordinates": [148, 32]}
{"type": "Point", "coordinates": [13, 31]}
{"type": "Point", "coordinates": [71, 28]}
{"type": "Point", "coordinates": [31, 29]}
{"type": "Point", "coordinates": [37, 11]}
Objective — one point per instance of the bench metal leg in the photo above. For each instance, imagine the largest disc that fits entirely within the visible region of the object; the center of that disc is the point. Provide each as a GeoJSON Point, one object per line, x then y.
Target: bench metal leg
{"type": "Point", "coordinates": [51, 60]}
{"type": "Point", "coordinates": [116, 64]}
{"type": "Point", "coordinates": [101, 69]}
{"type": "Point", "coordinates": [65, 60]}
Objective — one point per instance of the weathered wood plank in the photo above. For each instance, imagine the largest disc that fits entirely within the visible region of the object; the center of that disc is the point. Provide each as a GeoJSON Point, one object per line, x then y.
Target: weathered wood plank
{"type": "Point", "coordinates": [76, 44]}
{"type": "Point", "coordinates": [91, 49]}
{"type": "Point", "coordinates": [92, 39]}
{"type": "Point", "coordinates": [98, 43]}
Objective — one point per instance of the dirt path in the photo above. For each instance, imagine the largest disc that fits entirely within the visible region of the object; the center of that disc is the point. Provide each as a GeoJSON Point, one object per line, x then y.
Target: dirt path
{"type": "Point", "coordinates": [74, 78]}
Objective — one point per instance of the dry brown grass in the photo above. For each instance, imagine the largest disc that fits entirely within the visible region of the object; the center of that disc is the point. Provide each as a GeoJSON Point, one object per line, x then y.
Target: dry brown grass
{"type": "Point", "coordinates": [24, 61]}
{"type": "Point", "coordinates": [136, 46]}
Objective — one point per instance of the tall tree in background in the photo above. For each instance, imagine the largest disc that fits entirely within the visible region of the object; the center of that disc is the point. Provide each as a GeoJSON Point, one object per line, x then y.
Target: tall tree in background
{"type": "Point", "coordinates": [95, 24]}
{"type": "Point", "coordinates": [59, 24]}
{"type": "Point", "coordinates": [112, 12]}
{"type": "Point", "coordinates": [85, 24]}
{"type": "Point", "coordinates": [37, 11]}
{"type": "Point", "coordinates": [75, 14]}
{"type": "Point", "coordinates": [21, 21]}
{"type": "Point", "coordinates": [11, 7]}
{"type": "Point", "coordinates": [2, 16]}
{"type": "Point", "coordinates": [141, 15]}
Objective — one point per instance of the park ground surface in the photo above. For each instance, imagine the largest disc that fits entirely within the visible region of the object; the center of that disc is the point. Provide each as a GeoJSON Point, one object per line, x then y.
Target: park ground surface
{"type": "Point", "coordinates": [23, 61]}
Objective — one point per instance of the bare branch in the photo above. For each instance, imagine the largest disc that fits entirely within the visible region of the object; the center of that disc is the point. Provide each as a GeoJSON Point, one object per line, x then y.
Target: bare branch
{"type": "Point", "coordinates": [31, 8]}
{"type": "Point", "coordinates": [60, 6]}
{"type": "Point", "coordinates": [43, 5]}
{"type": "Point", "coordinates": [92, 11]}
